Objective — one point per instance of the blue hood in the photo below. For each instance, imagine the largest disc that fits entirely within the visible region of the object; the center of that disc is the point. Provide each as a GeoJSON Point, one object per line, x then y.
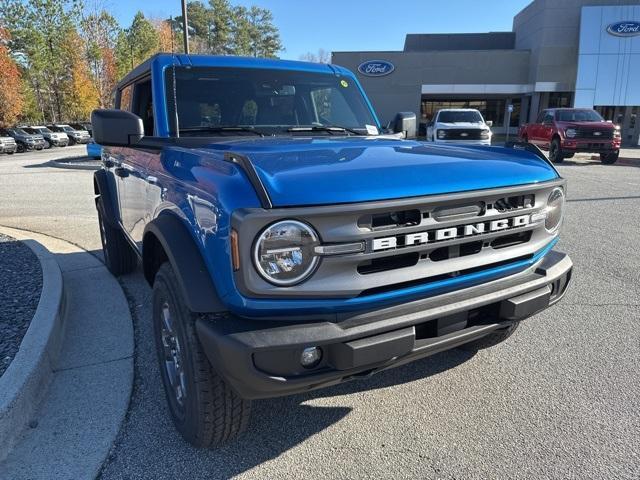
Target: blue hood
{"type": "Point", "coordinates": [320, 171]}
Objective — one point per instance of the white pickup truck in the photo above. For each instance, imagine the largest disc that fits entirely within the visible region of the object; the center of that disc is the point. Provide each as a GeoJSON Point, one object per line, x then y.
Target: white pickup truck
{"type": "Point", "coordinates": [459, 126]}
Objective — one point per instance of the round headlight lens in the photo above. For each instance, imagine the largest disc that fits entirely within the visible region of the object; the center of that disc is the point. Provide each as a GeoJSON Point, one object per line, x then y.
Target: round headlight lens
{"type": "Point", "coordinates": [284, 252]}
{"type": "Point", "coordinates": [555, 207]}
{"type": "Point", "coordinates": [570, 132]}
{"type": "Point", "coordinates": [442, 134]}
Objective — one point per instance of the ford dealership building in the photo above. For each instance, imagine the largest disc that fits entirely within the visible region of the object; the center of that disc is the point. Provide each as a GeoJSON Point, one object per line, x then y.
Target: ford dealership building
{"type": "Point", "coordinates": [582, 53]}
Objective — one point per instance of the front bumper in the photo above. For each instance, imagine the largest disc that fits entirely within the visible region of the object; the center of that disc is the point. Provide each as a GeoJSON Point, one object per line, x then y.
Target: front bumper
{"type": "Point", "coordinates": [486, 141]}
{"type": "Point", "coordinates": [8, 148]}
{"type": "Point", "coordinates": [260, 358]}
{"type": "Point", "coordinates": [590, 146]}
{"type": "Point", "coordinates": [59, 142]}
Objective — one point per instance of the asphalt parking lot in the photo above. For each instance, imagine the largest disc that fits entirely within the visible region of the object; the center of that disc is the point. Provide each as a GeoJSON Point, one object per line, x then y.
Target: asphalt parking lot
{"type": "Point", "coordinates": [559, 399]}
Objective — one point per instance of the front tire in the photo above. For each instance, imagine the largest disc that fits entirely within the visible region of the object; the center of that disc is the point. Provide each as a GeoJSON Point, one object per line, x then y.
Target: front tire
{"type": "Point", "coordinates": [47, 144]}
{"type": "Point", "coordinates": [119, 256]}
{"type": "Point", "coordinates": [610, 158]}
{"type": "Point", "coordinates": [205, 409]}
{"type": "Point", "coordinates": [494, 338]}
{"type": "Point", "coordinates": [555, 151]}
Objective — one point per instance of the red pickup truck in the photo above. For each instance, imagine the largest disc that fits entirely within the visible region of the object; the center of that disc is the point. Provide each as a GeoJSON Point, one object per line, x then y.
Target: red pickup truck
{"type": "Point", "coordinates": [566, 131]}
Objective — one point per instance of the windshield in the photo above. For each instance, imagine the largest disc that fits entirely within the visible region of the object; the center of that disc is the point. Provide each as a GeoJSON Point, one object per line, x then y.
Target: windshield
{"type": "Point", "coordinates": [68, 129]}
{"type": "Point", "coordinates": [578, 116]}
{"type": "Point", "coordinates": [460, 117]}
{"type": "Point", "coordinates": [272, 102]}
{"type": "Point", "coordinates": [18, 131]}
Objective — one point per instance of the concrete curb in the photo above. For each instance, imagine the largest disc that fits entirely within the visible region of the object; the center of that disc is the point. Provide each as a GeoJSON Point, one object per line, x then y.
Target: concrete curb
{"type": "Point", "coordinates": [24, 384]}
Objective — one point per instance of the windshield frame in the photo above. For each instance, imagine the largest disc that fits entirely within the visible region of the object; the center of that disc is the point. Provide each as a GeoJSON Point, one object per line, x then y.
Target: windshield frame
{"type": "Point", "coordinates": [366, 108]}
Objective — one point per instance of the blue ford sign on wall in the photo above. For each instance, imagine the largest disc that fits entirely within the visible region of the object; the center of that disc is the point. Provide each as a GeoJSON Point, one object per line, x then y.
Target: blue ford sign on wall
{"type": "Point", "coordinates": [624, 29]}
{"type": "Point", "coordinates": [376, 68]}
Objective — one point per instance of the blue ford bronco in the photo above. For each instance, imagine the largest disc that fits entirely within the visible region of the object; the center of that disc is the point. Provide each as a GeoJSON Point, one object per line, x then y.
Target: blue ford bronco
{"type": "Point", "coordinates": [294, 243]}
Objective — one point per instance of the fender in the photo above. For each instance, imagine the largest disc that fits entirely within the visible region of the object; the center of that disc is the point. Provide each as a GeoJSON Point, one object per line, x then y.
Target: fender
{"type": "Point", "coordinates": [186, 260]}
{"type": "Point", "coordinates": [104, 188]}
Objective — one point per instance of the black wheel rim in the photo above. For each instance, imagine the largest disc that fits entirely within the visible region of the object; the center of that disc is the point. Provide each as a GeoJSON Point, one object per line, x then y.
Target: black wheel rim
{"type": "Point", "coordinates": [172, 356]}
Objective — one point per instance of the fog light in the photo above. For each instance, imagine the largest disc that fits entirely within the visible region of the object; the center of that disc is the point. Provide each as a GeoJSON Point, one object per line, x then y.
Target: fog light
{"type": "Point", "coordinates": [310, 357]}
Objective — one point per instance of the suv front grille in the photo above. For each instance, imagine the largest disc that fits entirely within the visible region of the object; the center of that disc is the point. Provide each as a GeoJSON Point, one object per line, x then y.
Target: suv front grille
{"type": "Point", "coordinates": [407, 240]}
{"type": "Point", "coordinates": [463, 134]}
{"type": "Point", "coordinates": [594, 133]}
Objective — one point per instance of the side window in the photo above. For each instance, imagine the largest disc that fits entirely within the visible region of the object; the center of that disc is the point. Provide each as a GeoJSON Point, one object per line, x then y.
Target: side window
{"type": "Point", "coordinates": [548, 118]}
{"type": "Point", "coordinates": [142, 105]}
{"type": "Point", "coordinates": [540, 116]}
{"type": "Point", "coordinates": [125, 98]}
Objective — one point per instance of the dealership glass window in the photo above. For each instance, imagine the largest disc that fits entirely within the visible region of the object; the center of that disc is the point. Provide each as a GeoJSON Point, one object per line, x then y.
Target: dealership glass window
{"type": "Point", "coordinates": [491, 109]}
{"type": "Point", "coordinates": [515, 115]}
{"type": "Point", "coordinates": [560, 99]}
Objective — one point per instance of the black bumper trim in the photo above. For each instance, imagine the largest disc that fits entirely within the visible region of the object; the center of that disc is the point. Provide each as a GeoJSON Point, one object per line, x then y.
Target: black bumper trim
{"type": "Point", "coordinates": [354, 348]}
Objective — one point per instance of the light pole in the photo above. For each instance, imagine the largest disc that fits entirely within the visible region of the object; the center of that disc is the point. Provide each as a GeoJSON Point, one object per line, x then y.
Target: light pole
{"type": "Point", "coordinates": [185, 28]}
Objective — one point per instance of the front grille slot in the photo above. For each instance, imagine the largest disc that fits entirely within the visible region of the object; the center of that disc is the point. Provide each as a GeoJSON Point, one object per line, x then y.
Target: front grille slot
{"type": "Point", "coordinates": [508, 204]}
{"type": "Point", "coordinates": [454, 251]}
{"type": "Point", "coordinates": [459, 212]}
{"type": "Point", "coordinates": [463, 133]}
{"type": "Point", "coordinates": [384, 264]}
{"type": "Point", "coordinates": [511, 240]}
{"type": "Point", "coordinates": [382, 221]}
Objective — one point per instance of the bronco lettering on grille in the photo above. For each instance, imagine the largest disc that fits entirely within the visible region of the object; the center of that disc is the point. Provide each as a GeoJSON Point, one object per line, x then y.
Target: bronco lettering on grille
{"type": "Point", "coordinates": [420, 238]}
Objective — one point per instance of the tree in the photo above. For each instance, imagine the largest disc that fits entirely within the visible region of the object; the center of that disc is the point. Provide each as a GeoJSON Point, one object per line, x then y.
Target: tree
{"type": "Point", "coordinates": [322, 56]}
{"type": "Point", "coordinates": [11, 99]}
{"type": "Point", "coordinates": [99, 31]}
{"type": "Point", "coordinates": [39, 29]}
{"type": "Point", "coordinates": [265, 38]}
{"type": "Point", "coordinates": [221, 28]}
{"type": "Point", "coordinates": [135, 44]}
{"type": "Point", "coordinates": [80, 93]}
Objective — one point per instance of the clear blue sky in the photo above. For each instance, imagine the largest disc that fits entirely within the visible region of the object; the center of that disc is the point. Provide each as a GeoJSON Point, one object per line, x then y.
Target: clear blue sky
{"type": "Point", "coordinates": [338, 25]}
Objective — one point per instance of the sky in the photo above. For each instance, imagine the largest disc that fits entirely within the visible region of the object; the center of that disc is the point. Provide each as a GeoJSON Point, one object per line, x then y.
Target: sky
{"type": "Point", "coordinates": [345, 25]}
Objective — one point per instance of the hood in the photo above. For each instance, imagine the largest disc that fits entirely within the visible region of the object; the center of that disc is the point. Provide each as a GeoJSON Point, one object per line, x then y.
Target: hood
{"type": "Point", "coordinates": [446, 125]}
{"type": "Point", "coordinates": [319, 171]}
{"type": "Point", "coordinates": [601, 125]}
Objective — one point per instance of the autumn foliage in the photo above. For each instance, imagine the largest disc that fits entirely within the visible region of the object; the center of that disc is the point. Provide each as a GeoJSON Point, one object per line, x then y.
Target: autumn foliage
{"type": "Point", "coordinates": [11, 100]}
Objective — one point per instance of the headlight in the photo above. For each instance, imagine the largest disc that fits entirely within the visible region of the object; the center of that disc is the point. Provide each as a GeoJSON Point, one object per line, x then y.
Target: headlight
{"type": "Point", "coordinates": [284, 252]}
{"type": "Point", "coordinates": [442, 134]}
{"type": "Point", "coordinates": [570, 132]}
{"type": "Point", "coordinates": [617, 133]}
{"type": "Point", "coordinates": [554, 210]}
{"type": "Point", "coordinates": [485, 134]}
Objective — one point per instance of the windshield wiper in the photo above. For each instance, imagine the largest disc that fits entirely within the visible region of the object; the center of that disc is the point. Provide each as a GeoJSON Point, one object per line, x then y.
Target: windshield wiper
{"type": "Point", "coordinates": [325, 128]}
{"type": "Point", "coordinates": [222, 129]}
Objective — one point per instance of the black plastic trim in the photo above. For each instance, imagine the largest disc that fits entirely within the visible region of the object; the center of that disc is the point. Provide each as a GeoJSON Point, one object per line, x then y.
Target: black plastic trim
{"type": "Point", "coordinates": [105, 189]}
{"type": "Point", "coordinates": [247, 166]}
{"type": "Point", "coordinates": [182, 252]}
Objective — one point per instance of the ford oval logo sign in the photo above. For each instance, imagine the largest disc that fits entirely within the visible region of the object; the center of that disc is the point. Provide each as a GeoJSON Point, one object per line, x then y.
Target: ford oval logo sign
{"type": "Point", "coordinates": [376, 68]}
{"type": "Point", "coordinates": [624, 29]}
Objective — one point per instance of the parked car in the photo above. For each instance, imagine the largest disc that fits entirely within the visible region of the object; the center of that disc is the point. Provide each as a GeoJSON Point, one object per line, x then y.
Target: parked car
{"type": "Point", "coordinates": [7, 143]}
{"type": "Point", "coordinates": [290, 246]}
{"type": "Point", "coordinates": [94, 150]}
{"type": "Point", "coordinates": [83, 126]}
{"type": "Point", "coordinates": [567, 131]}
{"type": "Point", "coordinates": [75, 136]}
{"type": "Point", "coordinates": [24, 140]}
{"type": "Point", "coordinates": [56, 139]}
{"type": "Point", "coordinates": [459, 126]}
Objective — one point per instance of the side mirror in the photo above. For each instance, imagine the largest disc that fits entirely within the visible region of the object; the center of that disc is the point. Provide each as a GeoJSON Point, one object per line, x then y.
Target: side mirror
{"type": "Point", "coordinates": [489, 123]}
{"type": "Point", "coordinates": [405, 123]}
{"type": "Point", "coordinates": [116, 128]}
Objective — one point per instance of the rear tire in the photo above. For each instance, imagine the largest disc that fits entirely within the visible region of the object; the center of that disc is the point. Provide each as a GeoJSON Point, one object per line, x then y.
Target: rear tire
{"type": "Point", "coordinates": [205, 409]}
{"type": "Point", "coordinates": [609, 158]}
{"type": "Point", "coordinates": [494, 338]}
{"type": "Point", "coordinates": [555, 151]}
{"type": "Point", "coordinates": [119, 256]}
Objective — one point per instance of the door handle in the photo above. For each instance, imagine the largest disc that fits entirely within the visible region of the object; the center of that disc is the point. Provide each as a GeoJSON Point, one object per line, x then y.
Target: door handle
{"type": "Point", "coordinates": [121, 172]}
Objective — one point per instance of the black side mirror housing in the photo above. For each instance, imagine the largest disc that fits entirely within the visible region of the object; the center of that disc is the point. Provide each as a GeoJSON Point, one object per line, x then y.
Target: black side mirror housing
{"type": "Point", "coordinates": [405, 123]}
{"type": "Point", "coordinates": [116, 128]}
